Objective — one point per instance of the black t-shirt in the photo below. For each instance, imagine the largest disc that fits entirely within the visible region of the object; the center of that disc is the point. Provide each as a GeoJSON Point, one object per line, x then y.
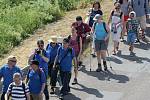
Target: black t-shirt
{"type": "Point", "coordinates": [93, 15]}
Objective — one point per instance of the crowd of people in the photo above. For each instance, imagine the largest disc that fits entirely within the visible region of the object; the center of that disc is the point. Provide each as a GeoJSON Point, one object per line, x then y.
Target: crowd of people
{"type": "Point", "coordinates": [56, 61]}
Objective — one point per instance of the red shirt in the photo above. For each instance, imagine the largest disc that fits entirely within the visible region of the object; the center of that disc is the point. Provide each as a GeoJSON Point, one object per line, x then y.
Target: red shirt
{"type": "Point", "coordinates": [82, 29]}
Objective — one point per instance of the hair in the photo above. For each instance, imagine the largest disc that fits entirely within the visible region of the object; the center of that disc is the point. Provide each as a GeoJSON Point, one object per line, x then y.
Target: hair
{"type": "Point", "coordinates": [40, 42]}
{"type": "Point", "coordinates": [121, 1]}
{"type": "Point", "coordinates": [96, 2]}
{"type": "Point", "coordinates": [17, 74]}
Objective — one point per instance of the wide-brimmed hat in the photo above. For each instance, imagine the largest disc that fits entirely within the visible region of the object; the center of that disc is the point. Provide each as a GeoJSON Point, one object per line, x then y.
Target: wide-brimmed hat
{"type": "Point", "coordinates": [97, 16]}
{"type": "Point", "coordinates": [12, 57]}
{"type": "Point", "coordinates": [53, 39]}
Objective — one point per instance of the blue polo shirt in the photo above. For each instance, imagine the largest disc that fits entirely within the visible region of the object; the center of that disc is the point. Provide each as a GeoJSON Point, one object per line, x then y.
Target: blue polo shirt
{"type": "Point", "coordinates": [66, 62]}
{"type": "Point", "coordinates": [43, 64]}
{"type": "Point", "coordinates": [36, 79]}
{"type": "Point", "coordinates": [52, 52]}
{"type": "Point", "coordinates": [7, 74]}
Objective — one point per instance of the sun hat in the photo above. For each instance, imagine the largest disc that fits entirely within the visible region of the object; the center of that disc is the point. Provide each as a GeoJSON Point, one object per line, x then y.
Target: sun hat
{"type": "Point", "coordinates": [97, 16]}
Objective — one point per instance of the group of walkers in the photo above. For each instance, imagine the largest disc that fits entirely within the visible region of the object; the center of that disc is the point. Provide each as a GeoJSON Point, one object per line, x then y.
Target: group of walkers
{"type": "Point", "coordinates": [56, 60]}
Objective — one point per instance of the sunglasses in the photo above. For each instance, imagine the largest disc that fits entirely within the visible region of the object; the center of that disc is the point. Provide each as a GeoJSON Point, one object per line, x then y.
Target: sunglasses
{"type": "Point", "coordinates": [41, 45]}
{"type": "Point", "coordinates": [13, 60]}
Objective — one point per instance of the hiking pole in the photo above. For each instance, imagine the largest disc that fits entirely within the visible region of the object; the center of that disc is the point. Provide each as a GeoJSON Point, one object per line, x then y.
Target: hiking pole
{"type": "Point", "coordinates": [109, 60]}
{"type": "Point", "coordinates": [90, 55]}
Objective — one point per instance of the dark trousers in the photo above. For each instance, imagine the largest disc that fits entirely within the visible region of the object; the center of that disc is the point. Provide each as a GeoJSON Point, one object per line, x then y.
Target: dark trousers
{"type": "Point", "coordinates": [3, 96]}
{"type": "Point", "coordinates": [46, 93]}
{"type": "Point", "coordinates": [65, 79]}
{"type": "Point", "coordinates": [53, 75]}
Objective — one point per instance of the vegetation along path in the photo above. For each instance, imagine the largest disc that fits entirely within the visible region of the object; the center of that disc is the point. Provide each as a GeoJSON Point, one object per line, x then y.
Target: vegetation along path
{"type": "Point", "coordinates": [61, 27]}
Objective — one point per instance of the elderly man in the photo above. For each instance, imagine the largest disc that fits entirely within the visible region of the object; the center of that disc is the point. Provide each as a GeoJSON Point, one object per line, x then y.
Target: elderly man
{"type": "Point", "coordinates": [6, 72]}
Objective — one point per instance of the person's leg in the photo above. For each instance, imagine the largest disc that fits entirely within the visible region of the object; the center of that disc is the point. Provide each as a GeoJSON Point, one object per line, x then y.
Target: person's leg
{"type": "Point", "coordinates": [143, 26]}
{"type": "Point", "coordinates": [3, 96]}
{"type": "Point", "coordinates": [46, 93]}
{"type": "Point", "coordinates": [99, 61]}
{"type": "Point", "coordinates": [50, 66]}
{"type": "Point", "coordinates": [76, 73]}
{"type": "Point", "coordinates": [103, 55]}
{"type": "Point", "coordinates": [53, 80]}
{"type": "Point", "coordinates": [35, 97]}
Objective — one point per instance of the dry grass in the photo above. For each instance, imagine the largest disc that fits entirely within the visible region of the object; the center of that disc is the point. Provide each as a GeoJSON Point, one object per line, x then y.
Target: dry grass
{"type": "Point", "coordinates": [61, 27]}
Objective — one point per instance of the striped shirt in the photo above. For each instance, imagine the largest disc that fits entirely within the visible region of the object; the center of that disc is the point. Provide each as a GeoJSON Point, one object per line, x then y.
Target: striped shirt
{"type": "Point", "coordinates": [17, 92]}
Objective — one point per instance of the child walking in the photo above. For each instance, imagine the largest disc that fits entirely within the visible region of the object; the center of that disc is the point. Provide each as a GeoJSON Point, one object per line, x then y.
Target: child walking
{"type": "Point", "coordinates": [132, 28]}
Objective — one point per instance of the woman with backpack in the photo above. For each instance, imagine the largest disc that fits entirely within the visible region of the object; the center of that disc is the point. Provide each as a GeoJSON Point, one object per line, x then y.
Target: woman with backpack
{"type": "Point", "coordinates": [101, 34]}
{"type": "Point", "coordinates": [116, 19]}
{"type": "Point", "coordinates": [75, 42]}
{"type": "Point", "coordinates": [96, 9]}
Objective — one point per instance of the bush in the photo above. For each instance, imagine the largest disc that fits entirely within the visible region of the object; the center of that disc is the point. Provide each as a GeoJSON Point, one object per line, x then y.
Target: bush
{"type": "Point", "coordinates": [19, 18]}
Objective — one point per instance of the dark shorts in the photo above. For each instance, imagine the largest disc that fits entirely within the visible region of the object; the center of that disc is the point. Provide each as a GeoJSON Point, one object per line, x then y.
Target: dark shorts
{"type": "Point", "coordinates": [100, 45]}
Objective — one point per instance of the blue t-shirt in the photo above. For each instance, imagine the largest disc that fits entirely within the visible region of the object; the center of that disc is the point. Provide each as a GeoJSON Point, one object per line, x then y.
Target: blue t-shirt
{"type": "Point", "coordinates": [66, 62]}
{"type": "Point", "coordinates": [100, 32]}
{"type": "Point", "coordinates": [7, 74]}
{"type": "Point", "coordinates": [93, 13]}
{"type": "Point", "coordinates": [36, 79]}
{"type": "Point", "coordinates": [43, 64]}
{"type": "Point", "coordinates": [52, 52]}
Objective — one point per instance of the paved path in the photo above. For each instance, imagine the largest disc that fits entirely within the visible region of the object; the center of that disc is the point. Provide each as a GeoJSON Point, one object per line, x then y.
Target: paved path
{"type": "Point", "coordinates": [128, 80]}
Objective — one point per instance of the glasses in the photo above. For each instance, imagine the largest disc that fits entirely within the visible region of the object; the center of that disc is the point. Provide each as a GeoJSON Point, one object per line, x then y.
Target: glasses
{"type": "Point", "coordinates": [13, 60]}
{"type": "Point", "coordinates": [40, 45]}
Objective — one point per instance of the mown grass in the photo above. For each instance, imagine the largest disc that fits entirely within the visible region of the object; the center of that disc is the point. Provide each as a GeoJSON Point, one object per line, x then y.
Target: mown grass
{"type": "Point", "coordinates": [20, 18]}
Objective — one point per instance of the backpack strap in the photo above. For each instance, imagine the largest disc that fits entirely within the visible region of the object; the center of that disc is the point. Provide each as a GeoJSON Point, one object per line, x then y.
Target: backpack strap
{"type": "Point", "coordinates": [24, 89]}
{"type": "Point", "coordinates": [104, 24]}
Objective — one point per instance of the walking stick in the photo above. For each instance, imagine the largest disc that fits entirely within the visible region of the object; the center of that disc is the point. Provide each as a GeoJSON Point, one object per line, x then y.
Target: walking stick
{"type": "Point", "coordinates": [109, 60]}
{"type": "Point", "coordinates": [90, 55]}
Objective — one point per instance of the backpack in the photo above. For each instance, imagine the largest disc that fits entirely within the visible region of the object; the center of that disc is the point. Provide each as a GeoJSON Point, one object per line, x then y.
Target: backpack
{"type": "Point", "coordinates": [104, 25]}
{"type": "Point", "coordinates": [112, 13]}
{"type": "Point", "coordinates": [39, 73]}
{"type": "Point", "coordinates": [77, 39]}
{"type": "Point", "coordinates": [23, 86]}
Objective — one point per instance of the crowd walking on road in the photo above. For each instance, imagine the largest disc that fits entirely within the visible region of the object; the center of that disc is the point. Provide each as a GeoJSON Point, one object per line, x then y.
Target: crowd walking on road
{"type": "Point", "coordinates": [126, 23]}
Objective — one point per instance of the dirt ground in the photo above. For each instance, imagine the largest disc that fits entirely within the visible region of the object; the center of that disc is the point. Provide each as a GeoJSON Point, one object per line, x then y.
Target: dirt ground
{"type": "Point", "coordinates": [59, 28]}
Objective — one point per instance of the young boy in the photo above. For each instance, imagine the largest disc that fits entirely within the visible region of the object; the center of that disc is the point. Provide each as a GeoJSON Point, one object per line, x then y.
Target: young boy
{"type": "Point", "coordinates": [132, 28]}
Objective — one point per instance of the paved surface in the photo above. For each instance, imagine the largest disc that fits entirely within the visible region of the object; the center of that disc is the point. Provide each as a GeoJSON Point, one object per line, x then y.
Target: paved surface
{"type": "Point", "coordinates": [128, 80]}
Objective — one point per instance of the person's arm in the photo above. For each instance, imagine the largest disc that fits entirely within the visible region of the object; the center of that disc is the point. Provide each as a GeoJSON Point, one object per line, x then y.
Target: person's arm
{"type": "Point", "coordinates": [27, 93]}
{"type": "Point", "coordinates": [7, 96]}
{"type": "Point", "coordinates": [108, 32]}
{"type": "Point", "coordinates": [110, 16]}
{"type": "Point", "coordinates": [43, 80]}
{"type": "Point", "coordinates": [30, 58]}
{"type": "Point", "coordinates": [79, 56]}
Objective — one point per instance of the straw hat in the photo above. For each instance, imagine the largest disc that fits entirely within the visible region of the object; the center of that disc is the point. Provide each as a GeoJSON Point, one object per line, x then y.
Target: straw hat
{"type": "Point", "coordinates": [53, 39]}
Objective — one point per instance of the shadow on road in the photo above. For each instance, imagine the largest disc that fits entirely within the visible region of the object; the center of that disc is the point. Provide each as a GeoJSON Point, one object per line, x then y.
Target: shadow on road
{"type": "Point", "coordinates": [134, 58]}
{"type": "Point", "coordinates": [89, 91]}
{"type": "Point", "coordinates": [142, 45]}
{"type": "Point", "coordinates": [71, 96]}
{"type": "Point", "coordinates": [115, 60]}
{"type": "Point", "coordinates": [106, 75]}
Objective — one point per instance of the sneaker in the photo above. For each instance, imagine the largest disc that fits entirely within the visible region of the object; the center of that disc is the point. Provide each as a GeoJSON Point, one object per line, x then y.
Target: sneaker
{"type": "Point", "coordinates": [132, 54]}
{"type": "Point", "coordinates": [52, 90]}
{"type": "Point", "coordinates": [122, 40]}
{"type": "Point", "coordinates": [93, 55]}
{"type": "Point", "coordinates": [137, 41]}
{"type": "Point", "coordinates": [74, 81]}
{"type": "Point", "coordinates": [98, 69]}
{"type": "Point", "coordinates": [105, 68]}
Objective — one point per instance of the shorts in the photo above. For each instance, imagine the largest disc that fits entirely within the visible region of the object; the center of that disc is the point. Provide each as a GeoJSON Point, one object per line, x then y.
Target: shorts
{"type": "Point", "coordinates": [126, 18]}
{"type": "Point", "coordinates": [100, 45]}
{"type": "Point", "coordinates": [131, 38]}
{"type": "Point", "coordinates": [142, 21]}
